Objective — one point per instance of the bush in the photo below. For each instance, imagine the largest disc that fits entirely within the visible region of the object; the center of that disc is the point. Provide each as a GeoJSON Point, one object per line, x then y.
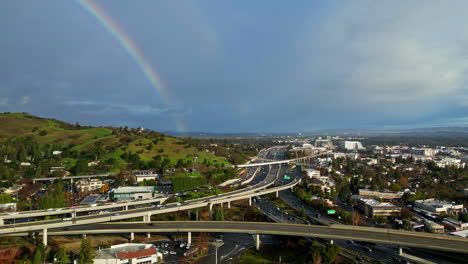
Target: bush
{"type": "Point", "coordinates": [43, 133]}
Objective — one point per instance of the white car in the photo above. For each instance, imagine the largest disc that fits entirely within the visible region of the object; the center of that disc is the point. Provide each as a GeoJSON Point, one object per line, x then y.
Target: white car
{"type": "Point", "coordinates": [173, 253]}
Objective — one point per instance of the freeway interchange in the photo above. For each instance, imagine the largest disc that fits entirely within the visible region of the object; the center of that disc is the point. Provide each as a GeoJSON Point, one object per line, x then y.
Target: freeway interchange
{"type": "Point", "coordinates": [261, 179]}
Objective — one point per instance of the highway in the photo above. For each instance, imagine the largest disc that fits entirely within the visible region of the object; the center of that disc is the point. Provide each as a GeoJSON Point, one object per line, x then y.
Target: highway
{"type": "Point", "coordinates": [375, 235]}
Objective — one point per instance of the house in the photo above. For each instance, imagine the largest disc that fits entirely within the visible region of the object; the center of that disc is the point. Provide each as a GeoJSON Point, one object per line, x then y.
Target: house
{"type": "Point", "coordinates": [145, 175]}
{"type": "Point", "coordinates": [89, 185]}
{"type": "Point", "coordinates": [128, 253]}
{"type": "Point", "coordinates": [56, 152]}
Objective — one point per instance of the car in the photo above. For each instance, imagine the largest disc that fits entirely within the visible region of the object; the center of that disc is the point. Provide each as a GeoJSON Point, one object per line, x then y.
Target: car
{"type": "Point", "coordinates": [13, 213]}
{"type": "Point", "coordinates": [165, 252]}
{"type": "Point", "coordinates": [351, 241]}
{"type": "Point", "coordinates": [72, 207]}
{"type": "Point", "coordinates": [117, 214]}
{"type": "Point", "coordinates": [50, 209]}
{"type": "Point", "coordinates": [173, 253]}
{"type": "Point", "coordinates": [178, 204]}
{"type": "Point", "coordinates": [67, 219]}
{"type": "Point", "coordinates": [368, 249]}
{"type": "Point", "coordinates": [182, 245]}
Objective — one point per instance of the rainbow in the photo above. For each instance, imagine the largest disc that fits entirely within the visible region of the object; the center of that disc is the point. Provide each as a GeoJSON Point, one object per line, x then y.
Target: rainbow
{"type": "Point", "coordinates": [133, 51]}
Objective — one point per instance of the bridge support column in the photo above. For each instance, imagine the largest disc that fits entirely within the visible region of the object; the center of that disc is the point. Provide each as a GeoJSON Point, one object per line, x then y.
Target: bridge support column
{"type": "Point", "coordinates": [276, 194]}
{"type": "Point", "coordinates": [400, 251]}
{"type": "Point", "coordinates": [148, 235]}
{"type": "Point", "coordinates": [2, 222]}
{"type": "Point", "coordinates": [189, 238]}
{"type": "Point", "coordinates": [189, 213]}
{"type": "Point", "coordinates": [257, 241]}
{"type": "Point", "coordinates": [44, 236]}
{"type": "Point", "coordinates": [132, 236]}
{"type": "Point", "coordinates": [250, 201]}
{"type": "Point", "coordinates": [126, 208]}
{"type": "Point", "coordinates": [196, 214]}
{"type": "Point", "coordinates": [229, 204]}
{"type": "Point", "coordinates": [147, 218]}
{"type": "Point", "coordinates": [221, 204]}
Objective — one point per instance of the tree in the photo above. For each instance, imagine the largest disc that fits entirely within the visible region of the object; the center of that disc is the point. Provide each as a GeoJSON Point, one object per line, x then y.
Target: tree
{"type": "Point", "coordinates": [85, 255]}
{"type": "Point", "coordinates": [39, 255]}
{"type": "Point", "coordinates": [80, 167]}
{"type": "Point", "coordinates": [61, 256]}
{"type": "Point", "coordinates": [218, 215]}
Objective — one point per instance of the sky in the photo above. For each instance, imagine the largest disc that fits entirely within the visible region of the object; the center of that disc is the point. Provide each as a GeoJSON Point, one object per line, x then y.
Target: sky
{"type": "Point", "coordinates": [237, 66]}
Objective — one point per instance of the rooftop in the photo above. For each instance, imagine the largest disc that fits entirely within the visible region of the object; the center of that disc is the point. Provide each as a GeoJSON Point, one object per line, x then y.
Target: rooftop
{"type": "Point", "coordinates": [126, 251]}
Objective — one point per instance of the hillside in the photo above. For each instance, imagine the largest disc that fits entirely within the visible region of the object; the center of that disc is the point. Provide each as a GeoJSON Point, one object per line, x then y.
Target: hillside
{"type": "Point", "coordinates": [115, 147]}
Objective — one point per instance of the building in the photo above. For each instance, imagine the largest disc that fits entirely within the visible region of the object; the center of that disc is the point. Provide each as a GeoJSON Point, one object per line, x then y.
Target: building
{"type": "Point", "coordinates": [382, 195]}
{"type": "Point", "coordinates": [132, 193]}
{"type": "Point", "coordinates": [326, 184]}
{"type": "Point", "coordinates": [372, 208]}
{"type": "Point", "coordinates": [454, 225]}
{"type": "Point", "coordinates": [433, 226]}
{"type": "Point", "coordinates": [13, 190]}
{"type": "Point", "coordinates": [428, 152]}
{"type": "Point", "coordinates": [89, 185]}
{"type": "Point", "coordinates": [351, 145]}
{"type": "Point", "coordinates": [311, 173]}
{"type": "Point", "coordinates": [145, 175]}
{"type": "Point", "coordinates": [438, 206]}
{"type": "Point", "coordinates": [324, 143]}
{"type": "Point", "coordinates": [445, 162]}
{"type": "Point", "coordinates": [129, 253]}
{"type": "Point", "coordinates": [90, 199]}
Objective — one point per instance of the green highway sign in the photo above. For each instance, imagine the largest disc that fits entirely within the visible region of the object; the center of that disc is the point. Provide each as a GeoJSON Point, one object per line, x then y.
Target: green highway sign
{"type": "Point", "coordinates": [330, 211]}
{"type": "Point", "coordinates": [287, 177]}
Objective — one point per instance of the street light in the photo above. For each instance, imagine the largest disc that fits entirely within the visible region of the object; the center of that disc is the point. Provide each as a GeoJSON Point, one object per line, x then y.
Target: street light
{"type": "Point", "coordinates": [217, 243]}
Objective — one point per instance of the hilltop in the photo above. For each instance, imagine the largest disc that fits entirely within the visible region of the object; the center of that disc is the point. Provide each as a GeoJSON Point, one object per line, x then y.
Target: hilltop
{"type": "Point", "coordinates": [119, 148]}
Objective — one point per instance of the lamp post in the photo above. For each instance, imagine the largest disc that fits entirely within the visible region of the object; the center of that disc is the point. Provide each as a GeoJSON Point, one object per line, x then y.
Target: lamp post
{"type": "Point", "coordinates": [217, 243]}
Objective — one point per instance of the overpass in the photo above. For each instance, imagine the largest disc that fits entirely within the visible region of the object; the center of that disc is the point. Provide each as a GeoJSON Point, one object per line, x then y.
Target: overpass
{"type": "Point", "coordinates": [71, 177]}
{"type": "Point", "coordinates": [277, 162]}
{"type": "Point", "coordinates": [146, 212]}
{"type": "Point", "coordinates": [375, 235]}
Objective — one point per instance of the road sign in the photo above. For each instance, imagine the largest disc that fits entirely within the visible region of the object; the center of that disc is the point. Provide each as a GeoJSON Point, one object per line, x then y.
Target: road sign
{"type": "Point", "coordinates": [287, 177]}
{"type": "Point", "coordinates": [331, 212]}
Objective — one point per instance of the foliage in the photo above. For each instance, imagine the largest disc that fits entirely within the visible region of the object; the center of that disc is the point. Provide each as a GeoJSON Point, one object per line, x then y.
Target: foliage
{"type": "Point", "coordinates": [61, 256]}
{"type": "Point", "coordinates": [5, 198]}
{"type": "Point", "coordinates": [39, 255]}
{"type": "Point", "coordinates": [85, 254]}
{"type": "Point", "coordinates": [218, 214]}
{"type": "Point", "coordinates": [55, 199]}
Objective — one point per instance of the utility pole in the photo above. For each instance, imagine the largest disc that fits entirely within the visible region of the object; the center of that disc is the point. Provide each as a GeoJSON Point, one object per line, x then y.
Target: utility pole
{"type": "Point", "coordinates": [217, 243]}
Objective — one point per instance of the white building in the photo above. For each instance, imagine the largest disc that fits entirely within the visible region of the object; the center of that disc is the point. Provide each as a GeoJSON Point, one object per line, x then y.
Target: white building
{"type": "Point", "coordinates": [324, 143]}
{"type": "Point", "coordinates": [89, 185]}
{"type": "Point", "coordinates": [428, 152]}
{"type": "Point", "coordinates": [311, 173]}
{"type": "Point", "coordinates": [351, 145]}
{"type": "Point", "coordinates": [438, 206]}
{"type": "Point", "coordinates": [132, 193]}
{"type": "Point", "coordinates": [145, 175]}
{"type": "Point", "coordinates": [56, 152]}
{"type": "Point", "coordinates": [445, 162]}
{"type": "Point", "coordinates": [372, 208]}
{"type": "Point", "coordinates": [129, 253]}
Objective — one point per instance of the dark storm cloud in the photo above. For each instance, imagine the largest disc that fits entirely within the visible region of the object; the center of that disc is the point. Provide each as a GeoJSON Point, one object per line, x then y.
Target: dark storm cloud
{"type": "Point", "coordinates": [235, 66]}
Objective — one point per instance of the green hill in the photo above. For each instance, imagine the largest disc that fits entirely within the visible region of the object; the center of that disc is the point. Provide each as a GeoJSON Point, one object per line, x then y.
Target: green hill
{"type": "Point", "coordinates": [114, 147]}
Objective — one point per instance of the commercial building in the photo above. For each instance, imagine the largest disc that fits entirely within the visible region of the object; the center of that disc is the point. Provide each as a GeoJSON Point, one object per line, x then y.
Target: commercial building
{"type": "Point", "coordinates": [454, 225]}
{"type": "Point", "coordinates": [445, 162]}
{"type": "Point", "coordinates": [423, 151]}
{"type": "Point", "coordinates": [132, 193]}
{"type": "Point", "coordinates": [438, 206]}
{"type": "Point", "coordinates": [433, 226]}
{"type": "Point", "coordinates": [382, 195]}
{"type": "Point", "coordinates": [351, 145]}
{"type": "Point", "coordinates": [324, 143]}
{"type": "Point", "coordinates": [89, 185]}
{"type": "Point", "coordinates": [145, 175]}
{"type": "Point", "coordinates": [372, 208]}
{"type": "Point", "coordinates": [129, 253]}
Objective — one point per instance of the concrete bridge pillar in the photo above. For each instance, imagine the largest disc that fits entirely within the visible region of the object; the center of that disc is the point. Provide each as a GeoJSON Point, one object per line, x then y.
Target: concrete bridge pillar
{"type": "Point", "coordinates": [221, 204]}
{"type": "Point", "coordinates": [211, 207]}
{"type": "Point", "coordinates": [189, 213]}
{"type": "Point", "coordinates": [44, 236]}
{"type": "Point", "coordinates": [126, 207]}
{"type": "Point", "coordinates": [400, 251]}
{"type": "Point", "coordinates": [257, 241]}
{"type": "Point", "coordinates": [2, 222]}
{"type": "Point", "coordinates": [71, 180]}
{"type": "Point", "coordinates": [132, 236]}
{"type": "Point", "coordinates": [276, 194]}
{"type": "Point", "coordinates": [148, 235]}
{"type": "Point", "coordinates": [250, 201]}
{"type": "Point", "coordinates": [189, 238]}
{"type": "Point", "coordinates": [147, 218]}
{"type": "Point", "coordinates": [196, 214]}
{"type": "Point", "coordinates": [229, 204]}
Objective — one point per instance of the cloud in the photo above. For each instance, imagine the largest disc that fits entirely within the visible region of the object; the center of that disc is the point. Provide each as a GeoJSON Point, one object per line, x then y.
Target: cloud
{"type": "Point", "coordinates": [116, 108]}
{"type": "Point", "coordinates": [4, 101]}
{"type": "Point", "coordinates": [403, 61]}
{"type": "Point", "coordinates": [25, 100]}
